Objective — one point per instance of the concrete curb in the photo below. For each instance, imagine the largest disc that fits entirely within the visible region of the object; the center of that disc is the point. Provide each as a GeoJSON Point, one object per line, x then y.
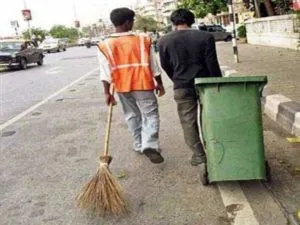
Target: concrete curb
{"type": "Point", "coordinates": [279, 108]}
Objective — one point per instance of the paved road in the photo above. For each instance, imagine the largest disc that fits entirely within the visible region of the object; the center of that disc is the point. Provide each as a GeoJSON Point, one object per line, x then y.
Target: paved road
{"type": "Point", "coordinates": [49, 152]}
{"type": "Point", "coordinates": [21, 89]}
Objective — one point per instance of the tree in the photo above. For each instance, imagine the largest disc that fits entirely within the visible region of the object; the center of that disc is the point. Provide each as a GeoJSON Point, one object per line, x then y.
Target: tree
{"type": "Point", "coordinates": [87, 31]}
{"type": "Point", "coordinates": [61, 31]}
{"type": "Point", "coordinates": [202, 7]}
{"type": "Point", "coordinates": [269, 7]}
{"type": "Point", "coordinates": [144, 22]}
{"type": "Point", "coordinates": [94, 30]}
{"type": "Point", "coordinates": [39, 33]}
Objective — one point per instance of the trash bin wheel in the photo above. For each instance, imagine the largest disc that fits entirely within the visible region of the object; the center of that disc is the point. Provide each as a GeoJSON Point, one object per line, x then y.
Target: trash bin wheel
{"type": "Point", "coordinates": [203, 174]}
{"type": "Point", "coordinates": [268, 172]}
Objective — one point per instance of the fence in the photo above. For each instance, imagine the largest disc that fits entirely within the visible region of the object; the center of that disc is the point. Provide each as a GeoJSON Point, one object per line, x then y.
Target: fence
{"type": "Point", "coordinates": [278, 31]}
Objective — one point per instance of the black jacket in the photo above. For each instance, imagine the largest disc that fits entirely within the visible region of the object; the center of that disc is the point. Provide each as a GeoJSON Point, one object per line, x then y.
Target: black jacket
{"type": "Point", "coordinates": [188, 54]}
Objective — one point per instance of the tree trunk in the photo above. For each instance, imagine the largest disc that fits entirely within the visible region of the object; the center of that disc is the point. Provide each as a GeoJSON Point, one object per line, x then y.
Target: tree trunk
{"type": "Point", "coordinates": [257, 8]}
{"type": "Point", "coordinates": [269, 8]}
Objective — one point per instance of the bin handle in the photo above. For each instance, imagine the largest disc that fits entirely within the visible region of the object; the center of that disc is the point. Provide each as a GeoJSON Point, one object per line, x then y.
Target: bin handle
{"type": "Point", "coordinates": [245, 86]}
{"type": "Point", "coordinates": [261, 89]}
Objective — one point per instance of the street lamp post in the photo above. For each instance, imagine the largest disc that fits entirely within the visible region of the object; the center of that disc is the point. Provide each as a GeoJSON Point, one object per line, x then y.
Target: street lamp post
{"type": "Point", "coordinates": [75, 16]}
{"type": "Point", "coordinates": [233, 25]}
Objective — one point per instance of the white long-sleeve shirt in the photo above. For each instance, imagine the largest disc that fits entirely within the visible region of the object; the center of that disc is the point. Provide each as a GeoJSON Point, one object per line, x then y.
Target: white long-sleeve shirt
{"type": "Point", "coordinates": [105, 69]}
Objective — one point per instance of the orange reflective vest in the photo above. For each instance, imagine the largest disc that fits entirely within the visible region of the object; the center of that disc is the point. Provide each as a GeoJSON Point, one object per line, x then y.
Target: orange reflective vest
{"type": "Point", "coordinates": [129, 59]}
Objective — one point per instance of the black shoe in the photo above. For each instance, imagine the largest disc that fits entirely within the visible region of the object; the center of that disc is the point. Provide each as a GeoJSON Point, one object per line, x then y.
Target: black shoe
{"type": "Point", "coordinates": [153, 155]}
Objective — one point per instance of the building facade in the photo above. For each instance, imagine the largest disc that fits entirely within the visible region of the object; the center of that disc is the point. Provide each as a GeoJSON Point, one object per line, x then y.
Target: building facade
{"type": "Point", "coordinates": [160, 10]}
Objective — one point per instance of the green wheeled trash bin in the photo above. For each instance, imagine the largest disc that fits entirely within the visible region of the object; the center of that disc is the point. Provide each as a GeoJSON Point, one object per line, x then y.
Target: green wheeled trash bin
{"type": "Point", "coordinates": [231, 123]}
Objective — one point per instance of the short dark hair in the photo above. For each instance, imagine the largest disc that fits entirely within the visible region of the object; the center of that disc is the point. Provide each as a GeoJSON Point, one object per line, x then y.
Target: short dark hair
{"type": "Point", "coordinates": [182, 16]}
{"type": "Point", "coordinates": [120, 15]}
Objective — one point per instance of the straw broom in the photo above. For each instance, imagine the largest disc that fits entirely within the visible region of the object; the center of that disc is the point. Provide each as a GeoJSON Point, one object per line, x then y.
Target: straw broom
{"type": "Point", "coordinates": [102, 195]}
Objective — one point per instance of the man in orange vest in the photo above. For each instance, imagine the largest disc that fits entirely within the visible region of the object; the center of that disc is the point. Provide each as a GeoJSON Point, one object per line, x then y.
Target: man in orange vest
{"type": "Point", "coordinates": [128, 62]}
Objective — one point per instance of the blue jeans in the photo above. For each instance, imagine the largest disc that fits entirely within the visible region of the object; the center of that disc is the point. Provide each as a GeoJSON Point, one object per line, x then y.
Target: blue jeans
{"type": "Point", "coordinates": [142, 117]}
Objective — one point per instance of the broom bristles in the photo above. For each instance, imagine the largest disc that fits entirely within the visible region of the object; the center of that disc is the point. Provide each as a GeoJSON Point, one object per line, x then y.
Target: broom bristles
{"type": "Point", "coordinates": [102, 194]}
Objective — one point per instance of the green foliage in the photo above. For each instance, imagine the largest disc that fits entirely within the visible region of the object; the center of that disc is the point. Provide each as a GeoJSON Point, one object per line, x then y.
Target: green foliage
{"type": "Point", "coordinates": [282, 7]}
{"type": "Point", "coordinates": [242, 32]}
{"type": "Point", "coordinates": [202, 8]}
{"type": "Point", "coordinates": [60, 31]}
{"type": "Point", "coordinates": [39, 33]}
{"type": "Point", "coordinates": [142, 22]}
{"type": "Point", "coordinates": [298, 15]}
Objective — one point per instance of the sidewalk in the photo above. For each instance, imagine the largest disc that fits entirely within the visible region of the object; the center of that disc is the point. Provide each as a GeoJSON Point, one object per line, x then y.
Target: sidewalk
{"type": "Point", "coordinates": [282, 66]}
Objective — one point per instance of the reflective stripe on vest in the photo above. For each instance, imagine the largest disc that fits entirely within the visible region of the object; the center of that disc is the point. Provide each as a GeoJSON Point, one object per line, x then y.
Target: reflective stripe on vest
{"type": "Point", "coordinates": [114, 65]}
{"type": "Point", "coordinates": [110, 54]}
{"type": "Point", "coordinates": [129, 60]}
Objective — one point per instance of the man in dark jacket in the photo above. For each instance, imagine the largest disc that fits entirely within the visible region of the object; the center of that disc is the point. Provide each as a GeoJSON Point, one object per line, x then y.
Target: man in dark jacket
{"type": "Point", "coordinates": [186, 54]}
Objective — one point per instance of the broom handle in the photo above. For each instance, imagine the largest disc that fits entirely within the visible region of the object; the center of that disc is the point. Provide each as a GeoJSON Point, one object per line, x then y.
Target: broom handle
{"type": "Point", "coordinates": [108, 125]}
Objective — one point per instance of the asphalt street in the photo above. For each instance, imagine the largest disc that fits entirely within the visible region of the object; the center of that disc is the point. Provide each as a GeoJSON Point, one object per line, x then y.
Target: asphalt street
{"type": "Point", "coordinates": [54, 119]}
{"type": "Point", "coordinates": [22, 89]}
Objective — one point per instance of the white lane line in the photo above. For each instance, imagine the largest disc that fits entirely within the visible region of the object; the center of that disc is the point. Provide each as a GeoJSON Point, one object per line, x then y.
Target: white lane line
{"type": "Point", "coordinates": [53, 70]}
{"type": "Point", "coordinates": [237, 205]}
{"type": "Point", "coordinates": [21, 115]}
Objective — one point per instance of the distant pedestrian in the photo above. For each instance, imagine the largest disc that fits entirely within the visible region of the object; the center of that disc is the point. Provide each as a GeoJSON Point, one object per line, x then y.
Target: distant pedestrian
{"type": "Point", "coordinates": [128, 62]}
{"type": "Point", "coordinates": [155, 37]}
{"type": "Point", "coordinates": [186, 54]}
{"type": "Point", "coordinates": [145, 30]}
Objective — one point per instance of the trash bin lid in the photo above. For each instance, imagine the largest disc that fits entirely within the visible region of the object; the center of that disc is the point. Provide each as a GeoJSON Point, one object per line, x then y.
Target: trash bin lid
{"type": "Point", "coordinates": [219, 80]}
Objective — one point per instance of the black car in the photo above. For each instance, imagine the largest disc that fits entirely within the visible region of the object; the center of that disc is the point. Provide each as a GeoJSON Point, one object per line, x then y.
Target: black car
{"type": "Point", "coordinates": [219, 33]}
{"type": "Point", "coordinates": [18, 53]}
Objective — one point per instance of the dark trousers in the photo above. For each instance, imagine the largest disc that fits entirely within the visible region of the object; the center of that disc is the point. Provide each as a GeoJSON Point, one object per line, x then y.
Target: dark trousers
{"type": "Point", "coordinates": [187, 107]}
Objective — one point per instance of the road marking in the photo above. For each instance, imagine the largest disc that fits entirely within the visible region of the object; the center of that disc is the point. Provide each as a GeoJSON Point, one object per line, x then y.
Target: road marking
{"type": "Point", "coordinates": [21, 115]}
{"type": "Point", "coordinates": [237, 205]}
{"type": "Point", "coordinates": [53, 70]}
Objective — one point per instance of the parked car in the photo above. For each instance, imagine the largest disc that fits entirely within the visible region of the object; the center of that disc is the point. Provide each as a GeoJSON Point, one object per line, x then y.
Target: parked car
{"type": "Point", "coordinates": [217, 31]}
{"type": "Point", "coordinates": [53, 45]}
{"type": "Point", "coordinates": [82, 41]}
{"type": "Point", "coordinates": [20, 53]}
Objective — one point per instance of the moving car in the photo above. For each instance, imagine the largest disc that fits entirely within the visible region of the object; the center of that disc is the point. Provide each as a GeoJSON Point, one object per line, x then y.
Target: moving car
{"type": "Point", "coordinates": [53, 45]}
{"type": "Point", "coordinates": [20, 53]}
{"type": "Point", "coordinates": [96, 40]}
{"type": "Point", "coordinates": [219, 33]}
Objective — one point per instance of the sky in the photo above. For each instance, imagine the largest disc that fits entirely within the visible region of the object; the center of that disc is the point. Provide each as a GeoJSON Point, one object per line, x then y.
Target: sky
{"type": "Point", "coordinates": [46, 13]}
